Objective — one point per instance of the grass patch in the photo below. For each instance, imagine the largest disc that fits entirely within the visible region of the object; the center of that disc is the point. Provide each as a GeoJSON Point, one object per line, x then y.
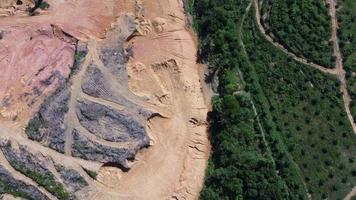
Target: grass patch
{"type": "Point", "coordinates": [32, 129]}
{"type": "Point", "coordinates": [46, 180]}
{"type": "Point", "coordinates": [5, 188]}
{"type": "Point", "coordinates": [91, 173]}
{"type": "Point", "coordinates": [44, 5]}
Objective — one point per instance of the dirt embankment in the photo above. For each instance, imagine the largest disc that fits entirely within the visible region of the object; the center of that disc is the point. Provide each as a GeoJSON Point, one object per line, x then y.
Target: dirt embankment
{"type": "Point", "coordinates": [156, 75]}
{"type": "Point", "coordinates": [37, 52]}
{"type": "Point", "coordinates": [163, 69]}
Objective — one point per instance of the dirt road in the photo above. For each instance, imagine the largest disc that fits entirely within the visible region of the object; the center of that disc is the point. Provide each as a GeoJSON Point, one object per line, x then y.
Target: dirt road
{"type": "Point", "coordinates": [339, 68]}
{"type": "Point", "coordinates": [163, 77]}
{"type": "Point", "coordinates": [339, 63]}
{"type": "Point", "coordinates": [164, 70]}
{"type": "Point", "coordinates": [284, 49]}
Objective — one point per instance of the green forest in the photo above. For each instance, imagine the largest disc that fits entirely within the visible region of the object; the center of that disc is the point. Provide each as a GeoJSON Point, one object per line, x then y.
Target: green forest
{"type": "Point", "coordinates": [302, 26]}
{"type": "Point", "coordinates": [278, 128]}
{"type": "Point", "coordinates": [307, 108]}
{"type": "Point", "coordinates": [347, 35]}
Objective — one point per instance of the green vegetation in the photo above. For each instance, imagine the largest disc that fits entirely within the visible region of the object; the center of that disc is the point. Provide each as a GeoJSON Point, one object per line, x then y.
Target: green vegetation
{"type": "Point", "coordinates": [32, 129]}
{"type": "Point", "coordinates": [79, 55]}
{"type": "Point", "coordinates": [302, 26]}
{"type": "Point", "coordinates": [91, 173]}
{"type": "Point", "coordinates": [189, 6]}
{"type": "Point", "coordinates": [300, 142]}
{"type": "Point", "coordinates": [347, 36]}
{"type": "Point", "coordinates": [72, 176]}
{"type": "Point", "coordinates": [44, 5]}
{"type": "Point", "coordinates": [46, 180]}
{"type": "Point", "coordinates": [5, 188]}
{"type": "Point", "coordinates": [307, 109]}
{"type": "Point", "coordinates": [242, 164]}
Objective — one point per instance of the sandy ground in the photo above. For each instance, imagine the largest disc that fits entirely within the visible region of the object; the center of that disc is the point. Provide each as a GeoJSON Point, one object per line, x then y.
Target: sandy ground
{"type": "Point", "coordinates": [9, 197]}
{"type": "Point", "coordinates": [33, 48]}
{"type": "Point", "coordinates": [163, 71]}
{"type": "Point", "coordinates": [351, 194]}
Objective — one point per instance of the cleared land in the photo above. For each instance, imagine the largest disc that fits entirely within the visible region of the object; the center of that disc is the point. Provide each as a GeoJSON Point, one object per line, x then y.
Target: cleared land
{"type": "Point", "coordinates": [134, 88]}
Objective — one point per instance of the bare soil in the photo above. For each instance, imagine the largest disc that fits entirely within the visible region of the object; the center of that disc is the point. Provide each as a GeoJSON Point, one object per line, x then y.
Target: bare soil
{"type": "Point", "coordinates": [162, 77]}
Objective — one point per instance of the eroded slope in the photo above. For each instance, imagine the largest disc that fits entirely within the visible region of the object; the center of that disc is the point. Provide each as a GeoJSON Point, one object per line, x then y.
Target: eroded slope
{"type": "Point", "coordinates": [136, 90]}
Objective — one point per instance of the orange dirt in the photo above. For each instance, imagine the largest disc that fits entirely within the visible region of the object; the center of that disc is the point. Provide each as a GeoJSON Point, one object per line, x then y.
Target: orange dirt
{"type": "Point", "coordinates": [163, 69]}
{"type": "Point", "coordinates": [33, 48]}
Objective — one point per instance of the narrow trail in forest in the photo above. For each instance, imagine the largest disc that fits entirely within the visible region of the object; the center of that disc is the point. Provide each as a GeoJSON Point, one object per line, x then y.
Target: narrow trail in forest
{"type": "Point", "coordinates": [338, 70]}
{"type": "Point", "coordinates": [284, 49]}
{"type": "Point", "coordinates": [253, 104]}
{"type": "Point", "coordinates": [352, 194]}
{"type": "Point", "coordinates": [339, 63]}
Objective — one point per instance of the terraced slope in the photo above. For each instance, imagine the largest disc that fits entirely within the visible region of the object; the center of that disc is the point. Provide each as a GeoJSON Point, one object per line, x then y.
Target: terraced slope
{"type": "Point", "coordinates": [130, 106]}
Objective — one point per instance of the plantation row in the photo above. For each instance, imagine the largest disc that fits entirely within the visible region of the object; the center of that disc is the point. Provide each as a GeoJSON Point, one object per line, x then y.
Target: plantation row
{"type": "Point", "coordinates": [299, 144]}
{"type": "Point", "coordinates": [302, 26]}
{"type": "Point", "coordinates": [347, 36]}
{"type": "Point", "coordinates": [307, 110]}
{"type": "Point", "coordinates": [242, 164]}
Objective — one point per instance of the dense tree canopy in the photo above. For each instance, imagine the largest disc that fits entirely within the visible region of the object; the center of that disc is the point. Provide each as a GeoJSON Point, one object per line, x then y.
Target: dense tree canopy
{"type": "Point", "coordinates": [279, 151]}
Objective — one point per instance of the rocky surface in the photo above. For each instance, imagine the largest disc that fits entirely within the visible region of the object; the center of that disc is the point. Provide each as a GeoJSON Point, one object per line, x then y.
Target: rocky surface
{"type": "Point", "coordinates": [36, 167]}
{"type": "Point", "coordinates": [22, 158]}
{"type": "Point", "coordinates": [16, 7]}
{"type": "Point", "coordinates": [84, 148]}
{"type": "Point", "coordinates": [71, 178]}
{"type": "Point", "coordinates": [16, 187]}
{"type": "Point", "coordinates": [111, 125]}
{"type": "Point", "coordinates": [34, 49]}
{"type": "Point", "coordinates": [39, 61]}
{"type": "Point", "coordinates": [48, 125]}
{"type": "Point", "coordinates": [111, 93]}
{"type": "Point", "coordinates": [97, 84]}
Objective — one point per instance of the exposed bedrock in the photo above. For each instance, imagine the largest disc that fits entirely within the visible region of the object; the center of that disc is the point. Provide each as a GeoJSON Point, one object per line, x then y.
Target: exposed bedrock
{"type": "Point", "coordinates": [96, 84]}
{"type": "Point", "coordinates": [87, 149]}
{"type": "Point", "coordinates": [22, 158]}
{"type": "Point", "coordinates": [71, 178]}
{"type": "Point", "coordinates": [11, 185]}
{"type": "Point", "coordinates": [41, 170]}
{"type": "Point", "coordinates": [34, 62]}
{"type": "Point", "coordinates": [110, 124]}
{"type": "Point", "coordinates": [94, 116]}
{"type": "Point", "coordinates": [113, 55]}
{"type": "Point", "coordinates": [48, 127]}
